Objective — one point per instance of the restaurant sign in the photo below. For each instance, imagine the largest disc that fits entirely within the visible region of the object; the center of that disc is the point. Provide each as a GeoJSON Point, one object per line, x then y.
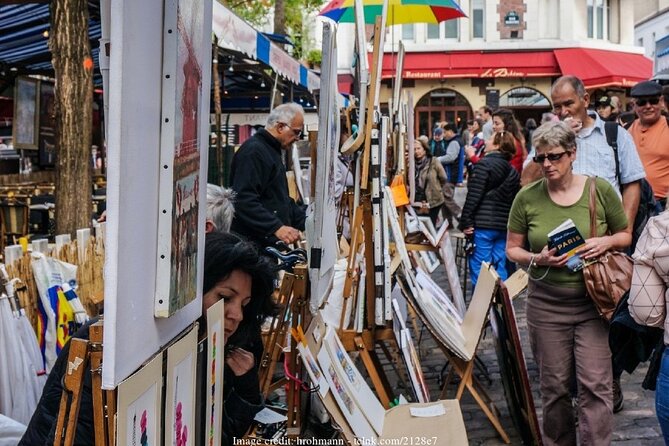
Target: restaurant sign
{"type": "Point", "coordinates": [488, 72]}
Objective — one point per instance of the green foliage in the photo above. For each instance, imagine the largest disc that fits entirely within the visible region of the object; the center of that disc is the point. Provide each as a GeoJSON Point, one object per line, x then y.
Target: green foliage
{"type": "Point", "coordinates": [256, 13]}
{"type": "Point", "coordinates": [314, 57]}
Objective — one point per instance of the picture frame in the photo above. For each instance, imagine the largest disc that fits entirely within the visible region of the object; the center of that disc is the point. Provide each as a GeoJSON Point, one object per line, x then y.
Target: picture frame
{"type": "Point", "coordinates": [214, 377]}
{"type": "Point", "coordinates": [139, 405]}
{"type": "Point", "coordinates": [26, 114]}
{"type": "Point", "coordinates": [180, 398]}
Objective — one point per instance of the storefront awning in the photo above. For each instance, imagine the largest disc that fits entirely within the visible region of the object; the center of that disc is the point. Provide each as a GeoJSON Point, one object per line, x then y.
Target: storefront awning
{"type": "Point", "coordinates": [600, 68]}
{"type": "Point", "coordinates": [234, 33]}
{"type": "Point", "coordinates": [474, 64]}
{"type": "Point", "coordinates": [597, 68]}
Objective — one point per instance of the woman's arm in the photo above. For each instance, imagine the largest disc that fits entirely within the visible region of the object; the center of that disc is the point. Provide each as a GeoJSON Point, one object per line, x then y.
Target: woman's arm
{"type": "Point", "coordinates": [518, 254]}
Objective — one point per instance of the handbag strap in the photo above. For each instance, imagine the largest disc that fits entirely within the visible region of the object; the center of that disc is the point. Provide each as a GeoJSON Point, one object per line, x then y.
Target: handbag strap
{"type": "Point", "coordinates": [593, 206]}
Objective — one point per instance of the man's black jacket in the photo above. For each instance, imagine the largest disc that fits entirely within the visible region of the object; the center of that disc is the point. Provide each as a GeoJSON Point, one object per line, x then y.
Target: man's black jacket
{"type": "Point", "coordinates": [258, 176]}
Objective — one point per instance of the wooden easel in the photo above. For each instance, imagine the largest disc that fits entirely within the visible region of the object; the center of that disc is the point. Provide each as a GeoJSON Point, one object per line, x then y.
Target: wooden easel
{"type": "Point", "coordinates": [293, 297]}
{"type": "Point", "coordinates": [472, 327]}
{"type": "Point", "coordinates": [81, 353]}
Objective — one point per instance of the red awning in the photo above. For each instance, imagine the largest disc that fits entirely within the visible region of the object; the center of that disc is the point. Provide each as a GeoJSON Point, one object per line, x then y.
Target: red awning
{"type": "Point", "coordinates": [474, 64]}
{"type": "Point", "coordinates": [600, 68]}
{"type": "Point", "coordinates": [597, 68]}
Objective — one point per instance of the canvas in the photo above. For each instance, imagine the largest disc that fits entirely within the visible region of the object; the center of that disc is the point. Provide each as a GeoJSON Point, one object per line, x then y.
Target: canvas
{"type": "Point", "coordinates": [180, 157]}
{"type": "Point", "coordinates": [361, 394]}
{"type": "Point", "coordinates": [180, 390]}
{"type": "Point", "coordinates": [139, 405]}
{"type": "Point", "coordinates": [133, 189]}
{"type": "Point", "coordinates": [214, 377]}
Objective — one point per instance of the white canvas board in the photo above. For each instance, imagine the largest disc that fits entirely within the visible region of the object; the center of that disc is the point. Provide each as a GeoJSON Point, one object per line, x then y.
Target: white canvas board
{"type": "Point", "coordinates": [398, 235]}
{"type": "Point", "coordinates": [180, 391]}
{"type": "Point", "coordinates": [426, 282]}
{"type": "Point", "coordinates": [132, 191]}
{"type": "Point", "coordinates": [333, 305]}
{"type": "Point", "coordinates": [344, 398]}
{"type": "Point", "coordinates": [214, 376]}
{"type": "Point", "coordinates": [313, 369]}
{"type": "Point", "coordinates": [139, 405]}
{"type": "Point", "coordinates": [362, 395]}
{"type": "Point", "coordinates": [323, 248]}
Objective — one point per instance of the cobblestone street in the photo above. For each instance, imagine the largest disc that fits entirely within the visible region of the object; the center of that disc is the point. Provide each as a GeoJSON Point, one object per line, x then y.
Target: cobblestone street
{"type": "Point", "coordinates": [635, 425]}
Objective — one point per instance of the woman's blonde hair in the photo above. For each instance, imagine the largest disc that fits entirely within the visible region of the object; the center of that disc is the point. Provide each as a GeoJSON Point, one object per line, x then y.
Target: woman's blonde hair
{"type": "Point", "coordinates": [554, 134]}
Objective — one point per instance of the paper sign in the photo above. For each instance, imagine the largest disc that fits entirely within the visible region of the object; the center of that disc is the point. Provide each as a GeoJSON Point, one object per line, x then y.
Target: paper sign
{"type": "Point", "coordinates": [435, 410]}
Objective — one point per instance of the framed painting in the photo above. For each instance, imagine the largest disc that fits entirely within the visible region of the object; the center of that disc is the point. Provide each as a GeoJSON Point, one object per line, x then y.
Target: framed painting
{"type": "Point", "coordinates": [180, 390]}
{"type": "Point", "coordinates": [26, 118]}
{"type": "Point", "coordinates": [214, 384]}
{"type": "Point", "coordinates": [184, 54]}
{"type": "Point", "coordinates": [139, 405]}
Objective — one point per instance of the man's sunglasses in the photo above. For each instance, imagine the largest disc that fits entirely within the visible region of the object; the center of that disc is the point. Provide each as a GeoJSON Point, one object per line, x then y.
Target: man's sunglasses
{"type": "Point", "coordinates": [296, 132]}
{"type": "Point", "coordinates": [643, 102]}
{"type": "Point", "coordinates": [552, 157]}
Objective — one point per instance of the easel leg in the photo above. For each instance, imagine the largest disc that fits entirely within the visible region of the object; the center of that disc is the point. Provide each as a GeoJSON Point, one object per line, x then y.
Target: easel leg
{"type": "Point", "coordinates": [70, 400]}
{"type": "Point", "coordinates": [373, 374]}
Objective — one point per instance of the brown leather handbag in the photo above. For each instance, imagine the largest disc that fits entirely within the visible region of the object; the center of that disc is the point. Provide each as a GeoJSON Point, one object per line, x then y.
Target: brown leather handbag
{"type": "Point", "coordinates": [610, 276]}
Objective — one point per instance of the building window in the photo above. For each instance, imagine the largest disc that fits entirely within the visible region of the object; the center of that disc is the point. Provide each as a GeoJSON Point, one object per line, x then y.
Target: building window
{"type": "Point", "coordinates": [451, 29]}
{"type": "Point", "coordinates": [477, 19]}
{"type": "Point", "coordinates": [444, 30]}
{"type": "Point", "coordinates": [407, 32]}
{"type": "Point", "coordinates": [433, 31]}
{"type": "Point", "coordinates": [598, 11]}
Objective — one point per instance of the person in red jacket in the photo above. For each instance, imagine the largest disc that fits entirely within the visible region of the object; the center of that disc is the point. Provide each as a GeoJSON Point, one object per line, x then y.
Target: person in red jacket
{"type": "Point", "coordinates": [503, 120]}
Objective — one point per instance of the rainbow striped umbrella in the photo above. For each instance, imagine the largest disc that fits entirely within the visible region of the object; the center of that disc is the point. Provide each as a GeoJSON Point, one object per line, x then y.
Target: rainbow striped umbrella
{"type": "Point", "coordinates": [399, 11]}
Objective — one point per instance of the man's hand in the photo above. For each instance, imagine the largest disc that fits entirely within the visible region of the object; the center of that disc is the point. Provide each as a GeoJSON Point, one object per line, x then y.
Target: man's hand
{"type": "Point", "coordinates": [287, 234]}
{"type": "Point", "coordinates": [240, 361]}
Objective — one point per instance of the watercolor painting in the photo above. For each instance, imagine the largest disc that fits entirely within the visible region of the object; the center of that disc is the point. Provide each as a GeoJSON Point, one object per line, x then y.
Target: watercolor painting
{"type": "Point", "coordinates": [139, 405]}
{"type": "Point", "coordinates": [214, 386]}
{"type": "Point", "coordinates": [314, 371]}
{"type": "Point", "coordinates": [180, 391]}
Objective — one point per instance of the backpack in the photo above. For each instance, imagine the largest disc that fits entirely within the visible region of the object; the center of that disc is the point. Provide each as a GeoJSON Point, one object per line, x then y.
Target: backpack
{"type": "Point", "coordinates": [648, 206]}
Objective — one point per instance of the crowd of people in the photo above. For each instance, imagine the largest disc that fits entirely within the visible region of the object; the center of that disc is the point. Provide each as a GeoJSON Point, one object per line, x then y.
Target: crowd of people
{"type": "Point", "coordinates": [521, 182]}
{"type": "Point", "coordinates": [582, 144]}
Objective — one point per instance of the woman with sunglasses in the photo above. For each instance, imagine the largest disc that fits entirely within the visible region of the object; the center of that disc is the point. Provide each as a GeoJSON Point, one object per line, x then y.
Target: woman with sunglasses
{"type": "Point", "coordinates": [567, 335]}
{"type": "Point", "coordinates": [490, 192]}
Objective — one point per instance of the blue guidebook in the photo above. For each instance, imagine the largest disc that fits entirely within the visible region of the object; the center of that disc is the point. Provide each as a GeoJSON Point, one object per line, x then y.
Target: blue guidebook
{"type": "Point", "coordinates": [567, 240]}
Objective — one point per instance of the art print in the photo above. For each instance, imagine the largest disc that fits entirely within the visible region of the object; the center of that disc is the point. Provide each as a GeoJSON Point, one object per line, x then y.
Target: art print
{"type": "Point", "coordinates": [352, 413]}
{"type": "Point", "coordinates": [314, 371]}
{"type": "Point", "coordinates": [181, 139]}
{"type": "Point", "coordinates": [180, 391]}
{"type": "Point", "coordinates": [139, 405]}
{"type": "Point", "coordinates": [47, 125]}
{"type": "Point", "coordinates": [353, 381]}
{"type": "Point", "coordinates": [214, 376]}
{"type": "Point", "coordinates": [415, 370]}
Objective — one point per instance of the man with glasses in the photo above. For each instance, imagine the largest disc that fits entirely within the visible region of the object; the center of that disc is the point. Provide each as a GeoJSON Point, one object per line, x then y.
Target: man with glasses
{"type": "Point", "coordinates": [651, 136]}
{"type": "Point", "coordinates": [595, 157]}
{"type": "Point", "coordinates": [264, 212]}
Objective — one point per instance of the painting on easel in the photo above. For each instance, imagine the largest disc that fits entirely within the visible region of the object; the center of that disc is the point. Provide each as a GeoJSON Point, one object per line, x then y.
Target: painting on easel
{"type": "Point", "coordinates": [139, 405]}
{"type": "Point", "coordinates": [180, 391]}
{"type": "Point", "coordinates": [181, 138]}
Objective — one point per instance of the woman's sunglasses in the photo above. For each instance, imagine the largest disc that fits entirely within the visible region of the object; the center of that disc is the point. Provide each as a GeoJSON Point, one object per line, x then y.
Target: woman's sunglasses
{"type": "Point", "coordinates": [552, 157]}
